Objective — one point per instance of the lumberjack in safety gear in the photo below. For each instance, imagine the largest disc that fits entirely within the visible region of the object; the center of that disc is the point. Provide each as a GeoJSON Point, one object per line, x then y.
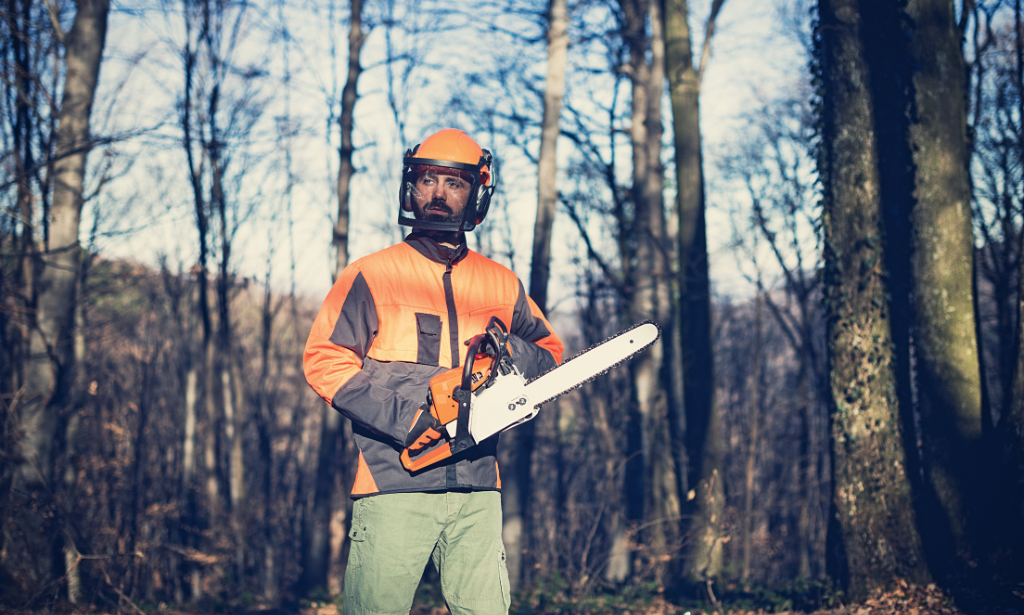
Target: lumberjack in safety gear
{"type": "Point", "coordinates": [392, 321]}
{"type": "Point", "coordinates": [447, 183]}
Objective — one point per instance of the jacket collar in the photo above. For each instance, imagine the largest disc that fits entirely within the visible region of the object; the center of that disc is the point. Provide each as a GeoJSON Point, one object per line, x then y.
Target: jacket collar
{"type": "Point", "coordinates": [425, 245]}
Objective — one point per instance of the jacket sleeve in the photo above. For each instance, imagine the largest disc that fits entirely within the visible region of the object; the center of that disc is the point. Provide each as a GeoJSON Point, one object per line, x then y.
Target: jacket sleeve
{"type": "Point", "coordinates": [535, 346]}
{"type": "Point", "coordinates": [333, 361]}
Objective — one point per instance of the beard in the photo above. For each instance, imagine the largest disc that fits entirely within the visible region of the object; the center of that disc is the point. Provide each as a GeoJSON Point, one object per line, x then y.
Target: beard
{"type": "Point", "coordinates": [437, 211]}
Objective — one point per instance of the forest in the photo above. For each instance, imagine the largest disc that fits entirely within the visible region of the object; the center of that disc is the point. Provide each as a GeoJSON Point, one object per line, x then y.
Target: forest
{"type": "Point", "coordinates": [834, 410]}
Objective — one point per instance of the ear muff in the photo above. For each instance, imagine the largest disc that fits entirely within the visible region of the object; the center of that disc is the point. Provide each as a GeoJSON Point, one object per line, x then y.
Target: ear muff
{"type": "Point", "coordinates": [405, 188]}
{"type": "Point", "coordinates": [485, 188]}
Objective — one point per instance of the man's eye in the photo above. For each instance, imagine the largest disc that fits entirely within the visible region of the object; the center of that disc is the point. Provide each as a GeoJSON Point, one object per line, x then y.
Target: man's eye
{"type": "Point", "coordinates": [454, 183]}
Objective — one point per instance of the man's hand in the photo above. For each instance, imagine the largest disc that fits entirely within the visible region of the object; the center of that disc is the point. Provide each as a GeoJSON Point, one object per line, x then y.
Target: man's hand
{"type": "Point", "coordinates": [530, 359]}
{"type": "Point", "coordinates": [425, 432]}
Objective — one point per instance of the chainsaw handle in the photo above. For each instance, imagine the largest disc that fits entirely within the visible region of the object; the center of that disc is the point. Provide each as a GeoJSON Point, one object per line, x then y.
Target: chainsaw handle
{"type": "Point", "coordinates": [496, 335]}
{"type": "Point", "coordinates": [443, 451]}
{"type": "Point", "coordinates": [467, 370]}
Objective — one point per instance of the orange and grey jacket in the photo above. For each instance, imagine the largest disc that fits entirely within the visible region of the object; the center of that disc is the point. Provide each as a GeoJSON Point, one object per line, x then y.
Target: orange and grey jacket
{"type": "Point", "coordinates": [394, 320]}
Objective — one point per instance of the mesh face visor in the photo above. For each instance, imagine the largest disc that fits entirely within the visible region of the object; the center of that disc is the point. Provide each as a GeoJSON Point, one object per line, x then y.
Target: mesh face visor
{"type": "Point", "coordinates": [439, 195]}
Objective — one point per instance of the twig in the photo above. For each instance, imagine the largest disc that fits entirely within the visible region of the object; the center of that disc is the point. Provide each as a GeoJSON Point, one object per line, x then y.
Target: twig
{"type": "Point", "coordinates": [711, 595]}
{"type": "Point", "coordinates": [119, 592]}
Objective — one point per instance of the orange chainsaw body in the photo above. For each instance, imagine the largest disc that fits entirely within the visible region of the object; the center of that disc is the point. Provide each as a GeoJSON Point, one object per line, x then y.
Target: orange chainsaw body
{"type": "Point", "coordinates": [477, 372]}
{"type": "Point", "coordinates": [443, 406]}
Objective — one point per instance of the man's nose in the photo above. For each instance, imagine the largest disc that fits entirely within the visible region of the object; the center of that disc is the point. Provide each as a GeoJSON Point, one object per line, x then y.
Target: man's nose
{"type": "Point", "coordinates": [439, 191]}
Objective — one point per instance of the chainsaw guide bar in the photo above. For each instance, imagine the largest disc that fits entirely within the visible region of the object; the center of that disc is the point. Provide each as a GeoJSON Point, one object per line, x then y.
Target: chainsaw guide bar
{"type": "Point", "coordinates": [500, 396]}
{"type": "Point", "coordinates": [511, 401]}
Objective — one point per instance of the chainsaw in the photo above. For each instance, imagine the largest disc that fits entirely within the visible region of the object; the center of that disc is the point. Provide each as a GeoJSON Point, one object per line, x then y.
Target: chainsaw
{"type": "Point", "coordinates": [489, 394]}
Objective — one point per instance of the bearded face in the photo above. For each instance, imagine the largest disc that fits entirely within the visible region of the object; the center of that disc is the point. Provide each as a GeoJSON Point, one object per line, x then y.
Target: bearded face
{"type": "Point", "coordinates": [439, 196]}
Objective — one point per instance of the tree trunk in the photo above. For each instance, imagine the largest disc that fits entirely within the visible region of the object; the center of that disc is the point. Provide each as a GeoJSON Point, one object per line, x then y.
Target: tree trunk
{"type": "Point", "coordinates": [547, 165]}
{"type": "Point", "coordinates": [211, 448]}
{"type": "Point", "coordinates": [175, 289]}
{"type": "Point", "coordinates": [545, 523]}
{"type": "Point", "coordinates": [1014, 428]}
{"type": "Point", "coordinates": [518, 485]}
{"type": "Point", "coordinates": [649, 295]}
{"type": "Point", "coordinates": [264, 415]}
{"type": "Point", "coordinates": [873, 503]}
{"type": "Point", "coordinates": [240, 513]}
{"type": "Point", "coordinates": [807, 466]}
{"type": "Point", "coordinates": [700, 452]}
{"type": "Point", "coordinates": [316, 541]}
{"type": "Point", "coordinates": [316, 546]}
{"type": "Point", "coordinates": [230, 388]}
{"type": "Point", "coordinates": [349, 96]}
{"type": "Point", "coordinates": [72, 557]}
{"type": "Point", "coordinates": [754, 384]}
{"type": "Point", "coordinates": [949, 380]}
{"type": "Point", "coordinates": [30, 537]}
{"type": "Point", "coordinates": [23, 248]}
{"type": "Point", "coordinates": [201, 271]}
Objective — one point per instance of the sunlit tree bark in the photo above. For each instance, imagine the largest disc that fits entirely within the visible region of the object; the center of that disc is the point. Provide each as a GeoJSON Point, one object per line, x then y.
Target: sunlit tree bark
{"type": "Point", "coordinates": [547, 165]}
{"type": "Point", "coordinates": [877, 535]}
{"type": "Point", "coordinates": [949, 383]}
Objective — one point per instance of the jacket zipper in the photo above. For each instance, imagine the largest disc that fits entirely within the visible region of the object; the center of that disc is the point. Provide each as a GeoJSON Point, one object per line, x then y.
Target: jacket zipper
{"type": "Point", "coordinates": [451, 476]}
{"type": "Point", "coordinates": [453, 316]}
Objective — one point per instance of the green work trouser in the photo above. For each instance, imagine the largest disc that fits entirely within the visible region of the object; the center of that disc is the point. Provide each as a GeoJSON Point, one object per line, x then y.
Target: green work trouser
{"type": "Point", "coordinates": [393, 535]}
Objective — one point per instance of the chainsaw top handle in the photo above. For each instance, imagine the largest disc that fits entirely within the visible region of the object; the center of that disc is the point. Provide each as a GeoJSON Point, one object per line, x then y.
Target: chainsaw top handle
{"type": "Point", "coordinates": [495, 335]}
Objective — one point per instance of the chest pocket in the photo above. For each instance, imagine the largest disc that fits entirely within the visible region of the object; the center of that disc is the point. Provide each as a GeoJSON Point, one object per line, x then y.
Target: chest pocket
{"type": "Point", "coordinates": [428, 336]}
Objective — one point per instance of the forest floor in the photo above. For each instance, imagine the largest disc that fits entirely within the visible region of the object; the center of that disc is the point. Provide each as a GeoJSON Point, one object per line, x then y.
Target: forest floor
{"type": "Point", "coordinates": [994, 598]}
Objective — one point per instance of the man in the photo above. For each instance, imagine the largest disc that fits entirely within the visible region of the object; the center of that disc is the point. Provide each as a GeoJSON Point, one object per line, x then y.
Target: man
{"type": "Point", "coordinates": [392, 321]}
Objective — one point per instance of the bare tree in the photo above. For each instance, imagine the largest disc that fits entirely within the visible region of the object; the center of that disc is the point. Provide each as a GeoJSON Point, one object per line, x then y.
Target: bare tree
{"type": "Point", "coordinates": [547, 166]}
{"type": "Point", "coordinates": [775, 167]}
{"type": "Point", "coordinates": [317, 539]}
{"type": "Point", "coordinates": [219, 108]}
{"type": "Point", "coordinates": [698, 441]}
{"type": "Point", "coordinates": [346, 122]}
{"type": "Point", "coordinates": [1013, 432]}
{"type": "Point", "coordinates": [518, 489]}
{"type": "Point", "coordinates": [30, 537]}
{"type": "Point", "coordinates": [655, 502]}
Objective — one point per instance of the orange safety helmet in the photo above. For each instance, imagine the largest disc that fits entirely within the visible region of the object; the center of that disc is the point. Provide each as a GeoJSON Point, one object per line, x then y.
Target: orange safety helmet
{"type": "Point", "coordinates": [453, 149]}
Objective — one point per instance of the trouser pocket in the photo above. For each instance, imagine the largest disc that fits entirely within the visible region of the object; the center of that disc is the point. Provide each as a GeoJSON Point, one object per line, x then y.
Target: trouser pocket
{"type": "Point", "coordinates": [357, 535]}
{"type": "Point", "coordinates": [479, 588]}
